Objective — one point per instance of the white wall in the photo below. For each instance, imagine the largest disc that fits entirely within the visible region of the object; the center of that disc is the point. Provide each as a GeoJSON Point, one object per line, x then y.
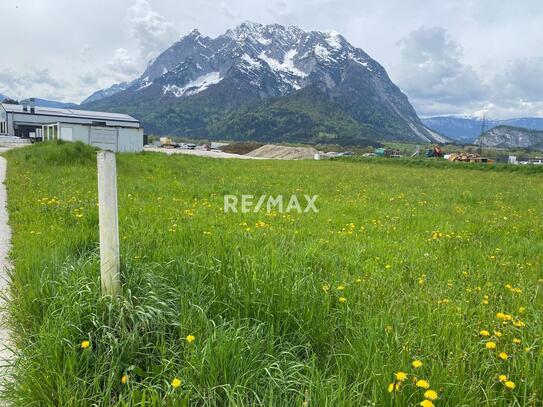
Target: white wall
{"type": "Point", "coordinates": [130, 139]}
{"type": "Point", "coordinates": [66, 133]}
{"type": "Point", "coordinates": [80, 132]}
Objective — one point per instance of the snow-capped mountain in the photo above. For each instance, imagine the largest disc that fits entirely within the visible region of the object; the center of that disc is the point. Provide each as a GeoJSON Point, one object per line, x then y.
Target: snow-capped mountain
{"type": "Point", "coordinates": [204, 86]}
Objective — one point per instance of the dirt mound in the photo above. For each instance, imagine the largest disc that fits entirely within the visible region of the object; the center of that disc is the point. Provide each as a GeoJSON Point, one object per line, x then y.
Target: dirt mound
{"type": "Point", "coordinates": [283, 152]}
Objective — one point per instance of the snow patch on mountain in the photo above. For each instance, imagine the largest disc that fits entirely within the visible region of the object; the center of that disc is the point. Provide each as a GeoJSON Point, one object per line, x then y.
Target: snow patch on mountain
{"type": "Point", "coordinates": [334, 40]}
{"type": "Point", "coordinates": [353, 57]}
{"type": "Point", "coordinates": [322, 52]}
{"type": "Point", "coordinates": [144, 83]}
{"type": "Point", "coordinates": [287, 64]}
{"type": "Point", "coordinates": [251, 61]}
{"type": "Point", "coordinates": [193, 87]}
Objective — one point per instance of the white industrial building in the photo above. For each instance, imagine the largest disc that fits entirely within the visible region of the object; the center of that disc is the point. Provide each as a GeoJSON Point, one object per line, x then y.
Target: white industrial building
{"type": "Point", "coordinates": [108, 131]}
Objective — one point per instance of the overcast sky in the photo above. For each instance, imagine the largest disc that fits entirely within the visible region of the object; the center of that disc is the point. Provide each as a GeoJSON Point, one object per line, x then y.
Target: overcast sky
{"type": "Point", "coordinates": [448, 56]}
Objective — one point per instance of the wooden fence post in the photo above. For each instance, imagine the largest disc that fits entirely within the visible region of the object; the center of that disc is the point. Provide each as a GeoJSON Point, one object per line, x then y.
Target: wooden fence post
{"type": "Point", "coordinates": [110, 265]}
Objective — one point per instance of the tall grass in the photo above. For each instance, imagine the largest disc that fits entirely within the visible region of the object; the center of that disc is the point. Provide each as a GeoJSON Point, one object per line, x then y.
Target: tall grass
{"type": "Point", "coordinates": [414, 251]}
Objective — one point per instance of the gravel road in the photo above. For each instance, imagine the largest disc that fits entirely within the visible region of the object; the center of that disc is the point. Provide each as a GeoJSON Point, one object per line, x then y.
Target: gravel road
{"type": "Point", "coordinates": [201, 153]}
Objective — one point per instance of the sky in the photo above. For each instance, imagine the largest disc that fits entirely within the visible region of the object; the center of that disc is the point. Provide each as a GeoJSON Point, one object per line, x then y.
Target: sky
{"type": "Point", "coordinates": [460, 57]}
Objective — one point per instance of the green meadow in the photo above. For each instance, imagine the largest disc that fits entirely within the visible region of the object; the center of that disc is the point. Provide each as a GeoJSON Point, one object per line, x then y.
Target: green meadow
{"type": "Point", "coordinates": [412, 284]}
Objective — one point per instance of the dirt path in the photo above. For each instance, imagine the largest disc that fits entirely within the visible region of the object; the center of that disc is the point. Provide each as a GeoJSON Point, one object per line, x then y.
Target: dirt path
{"type": "Point", "coordinates": [5, 238]}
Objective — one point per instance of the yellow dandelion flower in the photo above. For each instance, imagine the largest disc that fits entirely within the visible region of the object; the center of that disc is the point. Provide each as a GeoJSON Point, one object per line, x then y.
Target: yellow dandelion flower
{"type": "Point", "coordinates": [502, 378]}
{"type": "Point", "coordinates": [519, 324]}
{"type": "Point", "coordinates": [484, 332]}
{"type": "Point", "coordinates": [340, 287]}
{"type": "Point", "coordinates": [190, 338]}
{"type": "Point", "coordinates": [517, 341]}
{"type": "Point", "coordinates": [400, 376]}
{"type": "Point", "coordinates": [504, 317]}
{"type": "Point", "coordinates": [342, 300]}
{"type": "Point", "coordinates": [124, 379]}
{"type": "Point", "coordinates": [503, 356]}
{"type": "Point", "coordinates": [490, 345]}
{"type": "Point", "coordinates": [510, 385]}
{"type": "Point", "coordinates": [426, 403]}
{"type": "Point", "coordinates": [416, 364]}
{"type": "Point", "coordinates": [430, 395]}
{"type": "Point", "coordinates": [522, 310]}
{"type": "Point", "coordinates": [176, 382]}
{"type": "Point", "coordinates": [423, 384]}
{"type": "Point", "coordinates": [498, 334]}
{"type": "Point", "coordinates": [393, 387]}
{"type": "Point", "coordinates": [85, 344]}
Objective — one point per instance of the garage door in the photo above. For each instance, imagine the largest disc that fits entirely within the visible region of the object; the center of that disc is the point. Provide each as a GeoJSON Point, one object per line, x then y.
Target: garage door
{"type": "Point", "coordinates": [105, 139]}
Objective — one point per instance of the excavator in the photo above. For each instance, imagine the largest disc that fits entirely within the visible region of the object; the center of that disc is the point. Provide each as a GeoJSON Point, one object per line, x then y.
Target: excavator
{"type": "Point", "coordinates": [435, 151]}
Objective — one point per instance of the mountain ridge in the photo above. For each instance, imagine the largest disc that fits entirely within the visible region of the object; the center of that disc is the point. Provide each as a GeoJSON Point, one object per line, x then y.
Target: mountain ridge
{"type": "Point", "coordinates": [467, 129]}
{"type": "Point", "coordinates": [45, 103]}
{"type": "Point", "coordinates": [102, 93]}
{"type": "Point", "coordinates": [504, 136]}
{"type": "Point", "coordinates": [254, 66]}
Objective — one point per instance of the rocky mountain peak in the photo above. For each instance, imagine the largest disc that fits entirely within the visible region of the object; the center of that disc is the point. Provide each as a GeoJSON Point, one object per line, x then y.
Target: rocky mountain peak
{"type": "Point", "coordinates": [254, 62]}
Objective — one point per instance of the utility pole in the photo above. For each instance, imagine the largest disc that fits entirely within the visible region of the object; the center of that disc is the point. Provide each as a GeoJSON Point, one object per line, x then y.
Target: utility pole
{"type": "Point", "coordinates": [481, 136]}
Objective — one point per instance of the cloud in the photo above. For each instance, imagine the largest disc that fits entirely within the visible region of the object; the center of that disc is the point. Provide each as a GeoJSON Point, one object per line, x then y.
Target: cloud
{"type": "Point", "coordinates": [280, 11]}
{"type": "Point", "coordinates": [522, 79]}
{"type": "Point", "coordinates": [29, 83]}
{"type": "Point", "coordinates": [123, 66]}
{"type": "Point", "coordinates": [437, 81]}
{"type": "Point", "coordinates": [227, 11]}
{"type": "Point", "coordinates": [88, 79]}
{"type": "Point", "coordinates": [152, 31]}
{"type": "Point", "coordinates": [85, 52]}
{"type": "Point", "coordinates": [432, 68]}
